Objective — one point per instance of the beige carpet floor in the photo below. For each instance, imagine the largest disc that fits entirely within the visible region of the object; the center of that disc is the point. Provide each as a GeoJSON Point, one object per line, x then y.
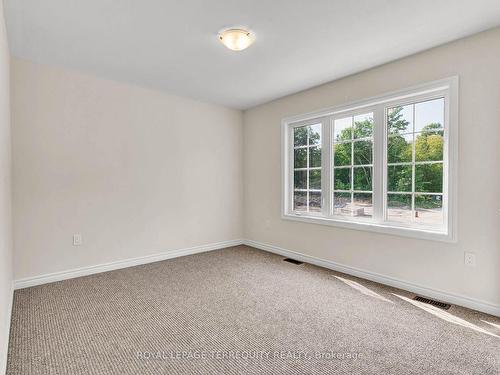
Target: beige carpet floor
{"type": "Point", "coordinates": [241, 311]}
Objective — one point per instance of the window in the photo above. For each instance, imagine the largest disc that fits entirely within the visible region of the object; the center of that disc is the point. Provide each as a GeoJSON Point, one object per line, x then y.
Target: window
{"type": "Point", "coordinates": [307, 168]}
{"type": "Point", "coordinates": [415, 143]}
{"type": "Point", "coordinates": [353, 165]}
{"type": "Point", "coordinates": [384, 164]}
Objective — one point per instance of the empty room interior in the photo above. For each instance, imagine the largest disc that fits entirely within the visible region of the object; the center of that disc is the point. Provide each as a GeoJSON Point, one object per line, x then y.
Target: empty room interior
{"type": "Point", "coordinates": [249, 187]}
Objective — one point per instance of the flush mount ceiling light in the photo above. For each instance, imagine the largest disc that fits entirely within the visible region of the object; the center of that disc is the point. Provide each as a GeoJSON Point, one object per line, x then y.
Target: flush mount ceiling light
{"type": "Point", "coordinates": [236, 39]}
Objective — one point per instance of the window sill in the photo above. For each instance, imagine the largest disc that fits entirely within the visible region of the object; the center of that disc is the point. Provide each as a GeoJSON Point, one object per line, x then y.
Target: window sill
{"type": "Point", "coordinates": [383, 228]}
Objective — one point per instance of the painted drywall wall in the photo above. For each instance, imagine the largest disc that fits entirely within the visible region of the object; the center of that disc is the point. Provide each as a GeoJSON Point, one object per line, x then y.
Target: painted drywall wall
{"type": "Point", "coordinates": [6, 262]}
{"type": "Point", "coordinates": [135, 171]}
{"type": "Point", "coordinates": [430, 264]}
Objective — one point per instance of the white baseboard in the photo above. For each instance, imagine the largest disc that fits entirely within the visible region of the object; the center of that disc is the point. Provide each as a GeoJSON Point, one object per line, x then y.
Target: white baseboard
{"type": "Point", "coordinates": [452, 298]}
{"type": "Point", "coordinates": [443, 296]}
{"type": "Point", "coordinates": [3, 355]}
{"type": "Point", "coordinates": [90, 270]}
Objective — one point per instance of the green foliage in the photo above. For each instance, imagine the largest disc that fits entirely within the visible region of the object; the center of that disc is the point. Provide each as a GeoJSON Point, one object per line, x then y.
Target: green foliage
{"type": "Point", "coordinates": [399, 178]}
{"type": "Point", "coordinates": [314, 156]}
{"type": "Point", "coordinates": [353, 149]}
{"type": "Point", "coordinates": [399, 149]}
{"type": "Point", "coordinates": [363, 152]}
{"type": "Point", "coordinates": [429, 143]}
{"type": "Point", "coordinates": [342, 154]}
{"type": "Point", "coordinates": [362, 178]}
{"type": "Point", "coordinates": [363, 129]}
{"type": "Point", "coordinates": [428, 147]}
{"type": "Point", "coordinates": [315, 179]}
{"type": "Point", "coordinates": [428, 201]}
{"type": "Point", "coordinates": [429, 178]}
{"type": "Point", "coordinates": [354, 152]}
{"type": "Point", "coordinates": [300, 136]}
{"type": "Point", "coordinates": [300, 179]}
{"type": "Point", "coordinates": [396, 121]}
{"type": "Point", "coordinates": [303, 133]}
{"type": "Point", "coordinates": [314, 134]}
{"type": "Point", "coordinates": [300, 158]}
{"type": "Point", "coordinates": [342, 179]}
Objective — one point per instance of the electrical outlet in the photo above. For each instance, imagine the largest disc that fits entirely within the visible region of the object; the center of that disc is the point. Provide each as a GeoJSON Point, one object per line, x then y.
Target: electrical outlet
{"type": "Point", "coordinates": [470, 259]}
{"type": "Point", "coordinates": [77, 239]}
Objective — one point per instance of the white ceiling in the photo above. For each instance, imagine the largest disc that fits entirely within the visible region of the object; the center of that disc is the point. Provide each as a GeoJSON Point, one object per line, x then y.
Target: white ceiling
{"type": "Point", "coordinates": [172, 45]}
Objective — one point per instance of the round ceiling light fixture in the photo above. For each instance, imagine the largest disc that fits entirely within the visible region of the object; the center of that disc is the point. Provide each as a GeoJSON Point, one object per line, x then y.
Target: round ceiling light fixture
{"type": "Point", "coordinates": [236, 39]}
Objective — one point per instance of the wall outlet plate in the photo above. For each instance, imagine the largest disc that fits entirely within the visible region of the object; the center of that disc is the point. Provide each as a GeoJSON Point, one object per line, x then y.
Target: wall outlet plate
{"type": "Point", "coordinates": [470, 259]}
{"type": "Point", "coordinates": [77, 239]}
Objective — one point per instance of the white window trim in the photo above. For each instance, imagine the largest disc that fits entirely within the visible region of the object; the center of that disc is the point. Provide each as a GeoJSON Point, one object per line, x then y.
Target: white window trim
{"type": "Point", "coordinates": [448, 88]}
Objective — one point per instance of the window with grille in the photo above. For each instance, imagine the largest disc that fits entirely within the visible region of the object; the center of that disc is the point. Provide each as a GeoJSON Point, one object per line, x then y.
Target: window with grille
{"type": "Point", "coordinates": [383, 164]}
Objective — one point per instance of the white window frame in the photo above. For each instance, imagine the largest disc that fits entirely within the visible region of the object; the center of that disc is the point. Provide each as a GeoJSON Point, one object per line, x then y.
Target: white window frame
{"type": "Point", "coordinates": [446, 88]}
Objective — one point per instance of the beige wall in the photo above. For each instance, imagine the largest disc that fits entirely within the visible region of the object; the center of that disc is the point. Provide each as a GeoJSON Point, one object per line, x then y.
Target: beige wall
{"type": "Point", "coordinates": [135, 171]}
{"type": "Point", "coordinates": [138, 172]}
{"type": "Point", "coordinates": [426, 263]}
{"type": "Point", "coordinates": [5, 196]}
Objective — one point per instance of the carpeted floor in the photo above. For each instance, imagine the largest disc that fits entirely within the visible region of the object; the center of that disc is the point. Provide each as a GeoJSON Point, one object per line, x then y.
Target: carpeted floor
{"type": "Point", "coordinates": [241, 311]}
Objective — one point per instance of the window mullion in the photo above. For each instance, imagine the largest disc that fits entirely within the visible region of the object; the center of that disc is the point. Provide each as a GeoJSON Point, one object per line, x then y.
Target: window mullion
{"type": "Point", "coordinates": [326, 155]}
{"type": "Point", "coordinates": [308, 149]}
{"type": "Point", "coordinates": [413, 167]}
{"type": "Point", "coordinates": [379, 163]}
{"type": "Point", "coordinates": [352, 164]}
{"type": "Point", "coordinates": [290, 173]}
